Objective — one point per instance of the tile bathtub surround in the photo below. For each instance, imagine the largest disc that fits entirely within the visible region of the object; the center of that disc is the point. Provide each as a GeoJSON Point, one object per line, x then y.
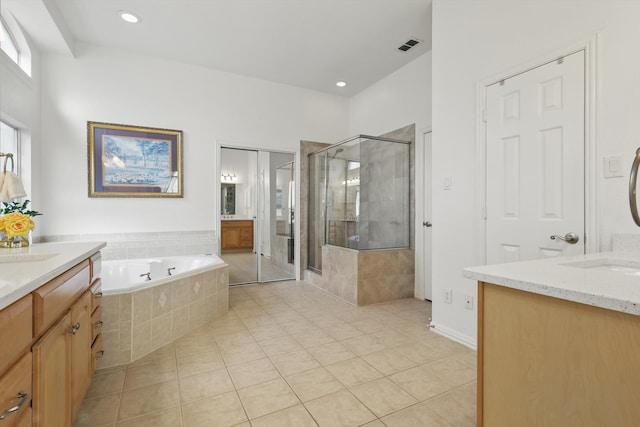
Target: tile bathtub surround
{"type": "Point", "coordinates": [288, 354]}
{"type": "Point", "coordinates": [138, 323]}
{"type": "Point", "coordinates": [145, 245]}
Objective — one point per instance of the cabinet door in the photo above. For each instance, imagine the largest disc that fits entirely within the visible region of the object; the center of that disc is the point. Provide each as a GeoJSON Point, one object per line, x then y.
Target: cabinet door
{"type": "Point", "coordinates": [230, 238]}
{"type": "Point", "coordinates": [51, 372]}
{"type": "Point", "coordinates": [25, 420]}
{"type": "Point", "coordinates": [15, 391]}
{"type": "Point", "coordinates": [246, 237]}
{"type": "Point", "coordinates": [82, 334]}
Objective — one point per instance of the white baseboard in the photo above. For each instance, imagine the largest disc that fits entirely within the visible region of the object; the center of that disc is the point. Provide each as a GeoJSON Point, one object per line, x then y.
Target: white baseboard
{"type": "Point", "coordinates": [456, 336]}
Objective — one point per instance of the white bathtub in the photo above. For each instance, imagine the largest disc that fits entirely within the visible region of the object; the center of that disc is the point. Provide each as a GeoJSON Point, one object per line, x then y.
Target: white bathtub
{"type": "Point", "coordinates": [141, 316]}
{"type": "Point", "coordinates": [127, 275]}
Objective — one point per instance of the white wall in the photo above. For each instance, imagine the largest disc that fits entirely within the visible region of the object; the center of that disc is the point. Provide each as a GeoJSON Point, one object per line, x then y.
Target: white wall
{"type": "Point", "coordinates": [114, 86]}
{"type": "Point", "coordinates": [474, 40]}
{"type": "Point", "coordinates": [400, 99]}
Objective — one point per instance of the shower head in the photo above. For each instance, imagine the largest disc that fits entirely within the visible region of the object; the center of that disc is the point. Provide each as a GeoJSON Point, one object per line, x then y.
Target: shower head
{"type": "Point", "coordinates": [339, 150]}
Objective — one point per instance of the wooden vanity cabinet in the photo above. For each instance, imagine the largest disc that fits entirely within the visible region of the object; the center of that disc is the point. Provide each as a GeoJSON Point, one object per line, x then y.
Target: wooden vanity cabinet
{"type": "Point", "coordinates": [16, 323]}
{"type": "Point", "coordinates": [237, 235]}
{"type": "Point", "coordinates": [51, 374]}
{"type": "Point", "coordinates": [47, 368]}
{"type": "Point", "coordinates": [544, 361]}
{"type": "Point", "coordinates": [81, 360]}
{"type": "Point", "coordinates": [15, 393]}
{"type": "Point", "coordinates": [96, 323]}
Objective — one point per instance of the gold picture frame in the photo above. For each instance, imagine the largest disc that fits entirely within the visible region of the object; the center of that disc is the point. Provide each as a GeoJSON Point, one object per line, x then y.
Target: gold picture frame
{"type": "Point", "coordinates": [134, 161]}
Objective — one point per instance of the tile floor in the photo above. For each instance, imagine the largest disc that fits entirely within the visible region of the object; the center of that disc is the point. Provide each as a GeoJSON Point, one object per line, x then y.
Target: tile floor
{"type": "Point", "coordinates": [287, 354]}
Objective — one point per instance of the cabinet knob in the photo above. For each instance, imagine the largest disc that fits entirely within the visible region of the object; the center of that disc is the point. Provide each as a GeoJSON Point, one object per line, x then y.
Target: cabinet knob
{"type": "Point", "coordinates": [75, 328]}
{"type": "Point", "coordinates": [98, 294]}
{"type": "Point", "coordinates": [23, 399]}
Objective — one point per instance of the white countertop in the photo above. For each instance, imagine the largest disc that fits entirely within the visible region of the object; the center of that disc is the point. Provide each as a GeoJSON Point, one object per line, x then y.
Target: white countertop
{"type": "Point", "coordinates": [20, 274]}
{"type": "Point", "coordinates": [609, 280]}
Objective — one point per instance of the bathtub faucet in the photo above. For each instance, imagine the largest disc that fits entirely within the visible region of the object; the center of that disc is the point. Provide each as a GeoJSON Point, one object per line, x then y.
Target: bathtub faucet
{"type": "Point", "coordinates": [169, 270]}
{"type": "Point", "coordinates": [148, 276]}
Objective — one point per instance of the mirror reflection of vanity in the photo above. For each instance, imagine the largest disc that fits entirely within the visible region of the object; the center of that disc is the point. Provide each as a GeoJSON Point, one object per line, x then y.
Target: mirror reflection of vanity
{"type": "Point", "coordinates": [236, 234]}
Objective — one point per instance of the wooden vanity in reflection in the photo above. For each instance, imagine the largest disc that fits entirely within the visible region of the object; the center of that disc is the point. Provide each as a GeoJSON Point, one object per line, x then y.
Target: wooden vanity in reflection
{"type": "Point", "coordinates": [236, 235]}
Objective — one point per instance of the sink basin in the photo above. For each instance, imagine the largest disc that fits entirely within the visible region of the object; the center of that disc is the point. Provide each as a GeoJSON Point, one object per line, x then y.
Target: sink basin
{"type": "Point", "coordinates": [25, 257]}
{"type": "Point", "coordinates": [619, 266]}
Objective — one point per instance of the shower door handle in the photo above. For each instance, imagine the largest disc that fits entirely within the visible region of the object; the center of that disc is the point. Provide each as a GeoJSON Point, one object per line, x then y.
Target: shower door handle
{"type": "Point", "coordinates": [427, 224]}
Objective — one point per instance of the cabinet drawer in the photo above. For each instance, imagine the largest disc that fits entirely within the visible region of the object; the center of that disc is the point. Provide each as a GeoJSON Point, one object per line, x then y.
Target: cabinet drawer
{"type": "Point", "coordinates": [96, 351]}
{"type": "Point", "coordinates": [53, 299]}
{"type": "Point", "coordinates": [16, 330]}
{"type": "Point", "coordinates": [96, 265]}
{"type": "Point", "coordinates": [96, 294]}
{"type": "Point", "coordinates": [15, 391]}
{"type": "Point", "coordinates": [96, 322]}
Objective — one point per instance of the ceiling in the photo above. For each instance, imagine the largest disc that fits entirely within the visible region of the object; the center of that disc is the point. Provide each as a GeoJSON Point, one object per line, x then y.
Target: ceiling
{"type": "Point", "coordinates": [306, 43]}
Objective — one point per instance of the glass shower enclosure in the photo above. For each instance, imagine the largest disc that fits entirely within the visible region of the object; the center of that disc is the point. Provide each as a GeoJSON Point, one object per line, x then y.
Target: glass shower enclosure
{"type": "Point", "coordinates": [359, 196]}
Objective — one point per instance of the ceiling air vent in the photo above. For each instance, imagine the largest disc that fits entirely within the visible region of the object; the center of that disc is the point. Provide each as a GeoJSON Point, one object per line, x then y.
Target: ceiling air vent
{"type": "Point", "coordinates": [411, 43]}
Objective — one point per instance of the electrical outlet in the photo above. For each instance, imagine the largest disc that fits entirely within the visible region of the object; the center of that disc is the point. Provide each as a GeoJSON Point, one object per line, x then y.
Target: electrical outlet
{"type": "Point", "coordinates": [447, 295]}
{"type": "Point", "coordinates": [468, 302]}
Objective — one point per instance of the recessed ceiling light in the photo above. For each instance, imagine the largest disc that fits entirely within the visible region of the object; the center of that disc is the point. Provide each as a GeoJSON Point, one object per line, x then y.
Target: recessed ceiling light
{"type": "Point", "coordinates": [129, 17]}
{"type": "Point", "coordinates": [341, 84]}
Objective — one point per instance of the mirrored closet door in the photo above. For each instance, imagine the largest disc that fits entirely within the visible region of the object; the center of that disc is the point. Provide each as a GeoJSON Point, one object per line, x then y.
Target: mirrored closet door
{"type": "Point", "coordinates": [257, 214]}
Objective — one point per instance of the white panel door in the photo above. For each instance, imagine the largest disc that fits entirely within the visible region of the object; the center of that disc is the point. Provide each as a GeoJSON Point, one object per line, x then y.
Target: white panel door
{"type": "Point", "coordinates": [535, 162]}
{"type": "Point", "coordinates": [426, 222]}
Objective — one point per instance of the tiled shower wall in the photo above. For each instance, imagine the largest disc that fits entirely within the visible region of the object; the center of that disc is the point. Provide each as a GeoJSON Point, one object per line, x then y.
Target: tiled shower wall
{"type": "Point", "coordinates": [384, 195]}
{"type": "Point", "coordinates": [145, 245]}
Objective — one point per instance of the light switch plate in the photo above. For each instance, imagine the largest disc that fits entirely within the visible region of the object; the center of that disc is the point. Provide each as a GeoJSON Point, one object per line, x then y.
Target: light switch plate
{"type": "Point", "coordinates": [447, 183]}
{"type": "Point", "coordinates": [613, 167]}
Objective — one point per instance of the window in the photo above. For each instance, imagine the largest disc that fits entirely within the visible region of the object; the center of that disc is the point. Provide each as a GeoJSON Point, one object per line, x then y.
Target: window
{"type": "Point", "coordinates": [7, 44]}
{"type": "Point", "coordinates": [14, 45]}
{"type": "Point", "coordinates": [9, 144]}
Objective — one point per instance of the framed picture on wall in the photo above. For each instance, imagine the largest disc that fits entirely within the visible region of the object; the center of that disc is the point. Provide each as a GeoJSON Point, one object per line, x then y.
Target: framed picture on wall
{"type": "Point", "coordinates": [134, 161]}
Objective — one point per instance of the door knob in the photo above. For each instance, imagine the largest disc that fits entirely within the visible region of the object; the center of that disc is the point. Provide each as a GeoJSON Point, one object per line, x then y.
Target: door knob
{"type": "Point", "coordinates": [570, 237]}
{"type": "Point", "coordinates": [427, 224]}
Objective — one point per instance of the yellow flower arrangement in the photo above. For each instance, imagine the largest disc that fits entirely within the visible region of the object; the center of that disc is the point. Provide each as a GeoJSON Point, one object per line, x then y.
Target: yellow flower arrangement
{"type": "Point", "coordinates": [16, 224]}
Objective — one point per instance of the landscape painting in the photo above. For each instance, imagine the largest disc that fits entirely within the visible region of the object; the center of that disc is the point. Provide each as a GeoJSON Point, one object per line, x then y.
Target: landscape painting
{"type": "Point", "coordinates": [134, 161]}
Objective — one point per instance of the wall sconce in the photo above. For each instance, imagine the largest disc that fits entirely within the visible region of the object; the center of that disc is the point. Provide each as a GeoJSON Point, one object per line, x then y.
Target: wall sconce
{"type": "Point", "coordinates": [354, 180]}
{"type": "Point", "coordinates": [228, 178]}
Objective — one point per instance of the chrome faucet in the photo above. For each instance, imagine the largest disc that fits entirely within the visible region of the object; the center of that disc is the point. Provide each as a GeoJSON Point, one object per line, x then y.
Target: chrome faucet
{"type": "Point", "coordinates": [148, 276]}
{"type": "Point", "coordinates": [169, 270]}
